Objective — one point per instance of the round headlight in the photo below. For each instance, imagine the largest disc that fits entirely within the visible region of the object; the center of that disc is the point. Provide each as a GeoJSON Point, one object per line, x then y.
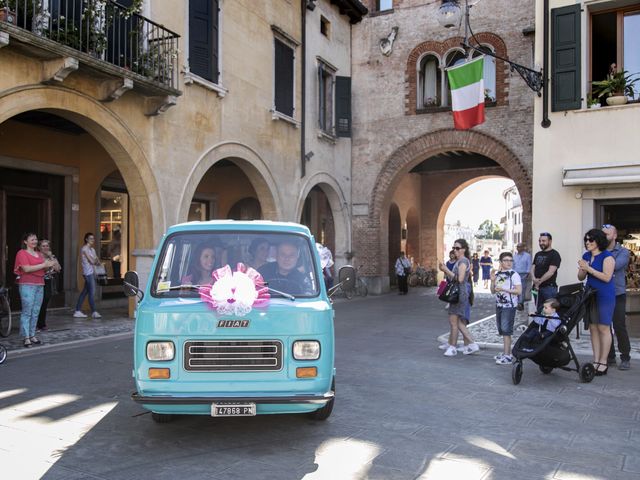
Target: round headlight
{"type": "Point", "coordinates": [306, 350]}
{"type": "Point", "coordinates": [160, 351]}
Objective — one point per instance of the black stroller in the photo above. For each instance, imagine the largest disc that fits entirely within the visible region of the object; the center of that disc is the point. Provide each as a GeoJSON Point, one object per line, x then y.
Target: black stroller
{"type": "Point", "coordinates": [553, 349]}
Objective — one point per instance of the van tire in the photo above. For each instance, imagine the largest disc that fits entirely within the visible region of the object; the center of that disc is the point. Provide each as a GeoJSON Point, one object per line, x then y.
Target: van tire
{"type": "Point", "coordinates": [325, 412]}
{"type": "Point", "coordinates": [161, 417]}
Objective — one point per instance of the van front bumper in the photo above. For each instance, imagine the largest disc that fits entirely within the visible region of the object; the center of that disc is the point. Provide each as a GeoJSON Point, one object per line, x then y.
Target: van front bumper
{"type": "Point", "coordinates": [170, 400]}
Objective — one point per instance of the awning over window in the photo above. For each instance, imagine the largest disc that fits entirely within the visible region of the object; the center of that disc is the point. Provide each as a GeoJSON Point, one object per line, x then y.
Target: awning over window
{"type": "Point", "coordinates": [602, 174]}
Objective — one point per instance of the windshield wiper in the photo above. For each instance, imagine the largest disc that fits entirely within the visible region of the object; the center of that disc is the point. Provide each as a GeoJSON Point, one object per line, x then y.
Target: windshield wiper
{"type": "Point", "coordinates": [179, 287]}
{"type": "Point", "coordinates": [285, 295]}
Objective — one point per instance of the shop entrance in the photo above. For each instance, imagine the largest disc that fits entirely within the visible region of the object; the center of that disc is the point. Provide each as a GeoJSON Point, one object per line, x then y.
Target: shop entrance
{"type": "Point", "coordinates": [29, 202]}
{"type": "Point", "coordinates": [625, 215]}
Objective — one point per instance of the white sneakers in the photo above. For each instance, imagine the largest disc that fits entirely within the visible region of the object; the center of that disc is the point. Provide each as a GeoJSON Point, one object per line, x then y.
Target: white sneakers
{"type": "Point", "coordinates": [471, 348]}
{"type": "Point", "coordinates": [504, 360]}
{"type": "Point", "coordinates": [451, 351]}
{"type": "Point", "coordinates": [79, 314]}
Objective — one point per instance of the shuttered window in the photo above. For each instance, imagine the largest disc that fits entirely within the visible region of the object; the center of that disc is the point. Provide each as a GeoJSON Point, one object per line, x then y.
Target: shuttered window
{"type": "Point", "coordinates": [284, 64]}
{"type": "Point", "coordinates": [343, 106]}
{"type": "Point", "coordinates": [203, 39]}
{"type": "Point", "coordinates": [565, 58]}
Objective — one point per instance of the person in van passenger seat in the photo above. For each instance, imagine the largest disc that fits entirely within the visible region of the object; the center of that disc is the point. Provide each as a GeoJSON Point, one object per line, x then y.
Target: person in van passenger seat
{"type": "Point", "coordinates": [202, 265]}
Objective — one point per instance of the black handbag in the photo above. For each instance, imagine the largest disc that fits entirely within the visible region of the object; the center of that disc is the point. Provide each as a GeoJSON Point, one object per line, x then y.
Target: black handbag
{"type": "Point", "coordinates": [451, 293]}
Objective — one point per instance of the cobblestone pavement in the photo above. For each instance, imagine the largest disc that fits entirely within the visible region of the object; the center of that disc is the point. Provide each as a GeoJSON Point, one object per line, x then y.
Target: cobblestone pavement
{"type": "Point", "coordinates": [403, 411]}
{"type": "Point", "coordinates": [63, 328]}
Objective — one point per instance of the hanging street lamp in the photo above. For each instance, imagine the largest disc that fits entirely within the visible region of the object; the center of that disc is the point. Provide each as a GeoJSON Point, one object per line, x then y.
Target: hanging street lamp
{"type": "Point", "coordinates": [451, 14]}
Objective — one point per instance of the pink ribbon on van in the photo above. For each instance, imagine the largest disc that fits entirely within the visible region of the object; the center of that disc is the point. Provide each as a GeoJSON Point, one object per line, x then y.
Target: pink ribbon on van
{"type": "Point", "coordinates": [235, 293]}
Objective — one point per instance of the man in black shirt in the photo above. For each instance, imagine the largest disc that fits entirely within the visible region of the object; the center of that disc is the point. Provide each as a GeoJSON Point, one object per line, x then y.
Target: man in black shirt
{"type": "Point", "coordinates": [544, 270]}
{"type": "Point", "coordinates": [282, 274]}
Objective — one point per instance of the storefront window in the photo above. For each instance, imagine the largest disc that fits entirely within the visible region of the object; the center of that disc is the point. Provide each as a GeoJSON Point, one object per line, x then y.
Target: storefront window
{"type": "Point", "coordinates": [114, 232]}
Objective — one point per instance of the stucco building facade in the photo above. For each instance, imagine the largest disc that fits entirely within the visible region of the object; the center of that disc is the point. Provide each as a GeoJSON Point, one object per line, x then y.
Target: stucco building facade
{"type": "Point", "coordinates": [187, 111]}
{"type": "Point", "coordinates": [586, 163]}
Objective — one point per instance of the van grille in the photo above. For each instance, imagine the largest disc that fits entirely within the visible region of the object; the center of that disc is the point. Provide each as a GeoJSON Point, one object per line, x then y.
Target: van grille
{"type": "Point", "coordinates": [233, 356]}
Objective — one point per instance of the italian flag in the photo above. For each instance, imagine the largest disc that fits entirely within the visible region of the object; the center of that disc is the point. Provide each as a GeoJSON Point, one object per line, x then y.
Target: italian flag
{"type": "Point", "coordinates": [467, 93]}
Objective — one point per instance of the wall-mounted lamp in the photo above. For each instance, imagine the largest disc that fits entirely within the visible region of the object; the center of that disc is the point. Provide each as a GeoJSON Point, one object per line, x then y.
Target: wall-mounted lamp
{"type": "Point", "coordinates": [451, 14]}
{"type": "Point", "coordinates": [308, 155]}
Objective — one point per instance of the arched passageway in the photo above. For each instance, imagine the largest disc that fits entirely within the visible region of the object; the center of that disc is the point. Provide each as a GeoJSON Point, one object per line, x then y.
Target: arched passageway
{"type": "Point", "coordinates": [423, 174]}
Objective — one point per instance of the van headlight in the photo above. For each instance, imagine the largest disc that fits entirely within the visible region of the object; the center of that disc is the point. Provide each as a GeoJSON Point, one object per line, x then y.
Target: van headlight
{"type": "Point", "coordinates": [306, 350]}
{"type": "Point", "coordinates": [160, 351]}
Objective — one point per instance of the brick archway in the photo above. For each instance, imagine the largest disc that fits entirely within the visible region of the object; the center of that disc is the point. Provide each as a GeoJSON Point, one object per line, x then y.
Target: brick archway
{"type": "Point", "coordinates": [400, 162]}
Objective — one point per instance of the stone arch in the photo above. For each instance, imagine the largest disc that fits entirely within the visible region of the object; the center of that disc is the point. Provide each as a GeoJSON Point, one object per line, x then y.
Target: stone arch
{"type": "Point", "coordinates": [440, 48]}
{"type": "Point", "coordinates": [400, 162]}
{"type": "Point", "coordinates": [252, 166]}
{"type": "Point", "coordinates": [338, 203]}
{"type": "Point", "coordinates": [114, 135]}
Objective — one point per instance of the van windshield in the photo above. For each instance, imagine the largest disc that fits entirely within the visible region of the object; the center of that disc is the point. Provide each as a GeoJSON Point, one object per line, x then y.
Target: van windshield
{"type": "Point", "coordinates": [189, 259]}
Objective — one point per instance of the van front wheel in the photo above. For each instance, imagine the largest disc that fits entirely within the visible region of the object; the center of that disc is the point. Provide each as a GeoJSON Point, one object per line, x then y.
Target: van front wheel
{"type": "Point", "coordinates": [325, 412]}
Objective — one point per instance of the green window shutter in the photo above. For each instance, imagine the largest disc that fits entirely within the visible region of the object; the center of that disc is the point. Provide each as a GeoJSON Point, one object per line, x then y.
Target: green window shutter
{"type": "Point", "coordinates": [343, 106]}
{"type": "Point", "coordinates": [565, 58]}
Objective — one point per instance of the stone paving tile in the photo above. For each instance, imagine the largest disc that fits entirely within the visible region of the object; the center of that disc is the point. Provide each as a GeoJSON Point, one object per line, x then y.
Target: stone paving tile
{"type": "Point", "coordinates": [583, 472]}
{"type": "Point", "coordinates": [490, 456]}
{"type": "Point", "coordinates": [374, 471]}
{"type": "Point", "coordinates": [591, 457]}
{"type": "Point", "coordinates": [445, 469]}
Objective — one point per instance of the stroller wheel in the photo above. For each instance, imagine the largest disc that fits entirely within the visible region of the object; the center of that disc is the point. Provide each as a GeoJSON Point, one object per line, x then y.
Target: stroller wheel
{"type": "Point", "coordinates": [516, 372]}
{"type": "Point", "coordinates": [587, 372]}
{"type": "Point", "coordinates": [3, 353]}
{"type": "Point", "coordinates": [545, 370]}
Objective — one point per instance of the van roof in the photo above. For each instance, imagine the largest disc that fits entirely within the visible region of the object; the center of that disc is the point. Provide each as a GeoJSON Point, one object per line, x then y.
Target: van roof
{"type": "Point", "coordinates": [247, 225]}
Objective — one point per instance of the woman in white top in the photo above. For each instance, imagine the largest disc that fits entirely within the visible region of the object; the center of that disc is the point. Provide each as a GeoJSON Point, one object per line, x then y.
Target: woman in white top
{"type": "Point", "coordinates": [89, 259]}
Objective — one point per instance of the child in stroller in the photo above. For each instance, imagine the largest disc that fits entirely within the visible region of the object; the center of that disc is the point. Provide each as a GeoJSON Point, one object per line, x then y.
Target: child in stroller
{"type": "Point", "coordinates": [546, 323]}
{"type": "Point", "coordinates": [546, 339]}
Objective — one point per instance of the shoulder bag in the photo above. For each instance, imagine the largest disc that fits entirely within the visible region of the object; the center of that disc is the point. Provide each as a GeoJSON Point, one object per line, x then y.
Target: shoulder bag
{"type": "Point", "coordinates": [451, 293]}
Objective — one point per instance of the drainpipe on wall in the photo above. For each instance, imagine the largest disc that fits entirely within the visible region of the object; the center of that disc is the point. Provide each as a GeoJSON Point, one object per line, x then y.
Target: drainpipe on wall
{"type": "Point", "coordinates": [546, 123]}
{"type": "Point", "coordinates": [303, 159]}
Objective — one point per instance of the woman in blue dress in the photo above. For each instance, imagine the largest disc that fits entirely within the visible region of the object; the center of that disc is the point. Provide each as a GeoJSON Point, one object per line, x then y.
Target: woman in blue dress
{"type": "Point", "coordinates": [597, 266]}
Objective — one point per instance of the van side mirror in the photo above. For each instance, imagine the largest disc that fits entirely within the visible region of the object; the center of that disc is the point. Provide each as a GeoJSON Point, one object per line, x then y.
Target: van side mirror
{"type": "Point", "coordinates": [346, 280]}
{"type": "Point", "coordinates": [130, 284]}
{"type": "Point", "coordinates": [347, 277]}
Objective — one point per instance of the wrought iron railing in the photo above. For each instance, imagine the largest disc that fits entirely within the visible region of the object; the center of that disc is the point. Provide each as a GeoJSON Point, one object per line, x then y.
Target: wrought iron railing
{"type": "Point", "coordinates": [104, 29]}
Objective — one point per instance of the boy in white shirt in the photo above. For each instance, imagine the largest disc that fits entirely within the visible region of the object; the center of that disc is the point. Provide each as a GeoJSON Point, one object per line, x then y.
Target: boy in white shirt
{"type": "Point", "coordinates": [506, 285]}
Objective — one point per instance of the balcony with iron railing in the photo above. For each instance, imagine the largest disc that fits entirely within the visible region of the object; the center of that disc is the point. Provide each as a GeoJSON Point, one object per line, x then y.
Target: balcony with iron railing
{"type": "Point", "coordinates": [98, 35]}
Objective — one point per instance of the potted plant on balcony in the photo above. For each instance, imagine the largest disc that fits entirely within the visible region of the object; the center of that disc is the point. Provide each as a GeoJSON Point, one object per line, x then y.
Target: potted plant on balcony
{"type": "Point", "coordinates": [615, 87]}
{"type": "Point", "coordinates": [7, 12]}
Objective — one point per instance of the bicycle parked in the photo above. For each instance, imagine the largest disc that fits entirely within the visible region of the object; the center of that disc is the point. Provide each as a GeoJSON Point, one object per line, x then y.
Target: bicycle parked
{"type": "Point", "coordinates": [5, 320]}
{"type": "Point", "coordinates": [5, 312]}
{"type": "Point", "coordinates": [422, 277]}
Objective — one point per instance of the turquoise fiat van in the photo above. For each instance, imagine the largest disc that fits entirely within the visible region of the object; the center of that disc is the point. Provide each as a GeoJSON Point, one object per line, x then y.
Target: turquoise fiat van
{"type": "Point", "coordinates": [235, 321]}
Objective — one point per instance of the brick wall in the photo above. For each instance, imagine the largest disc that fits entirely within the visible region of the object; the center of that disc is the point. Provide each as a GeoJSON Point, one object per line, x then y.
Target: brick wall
{"type": "Point", "coordinates": [390, 138]}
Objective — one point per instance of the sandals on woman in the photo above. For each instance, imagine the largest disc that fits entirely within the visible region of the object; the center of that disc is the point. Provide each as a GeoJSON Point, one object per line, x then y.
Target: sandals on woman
{"type": "Point", "coordinates": [599, 372]}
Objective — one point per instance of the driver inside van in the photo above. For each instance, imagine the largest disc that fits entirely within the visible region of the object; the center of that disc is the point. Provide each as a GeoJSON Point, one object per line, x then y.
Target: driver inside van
{"type": "Point", "coordinates": [282, 274]}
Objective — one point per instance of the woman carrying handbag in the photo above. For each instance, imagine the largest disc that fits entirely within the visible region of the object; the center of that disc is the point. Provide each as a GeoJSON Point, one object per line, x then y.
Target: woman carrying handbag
{"type": "Point", "coordinates": [460, 311]}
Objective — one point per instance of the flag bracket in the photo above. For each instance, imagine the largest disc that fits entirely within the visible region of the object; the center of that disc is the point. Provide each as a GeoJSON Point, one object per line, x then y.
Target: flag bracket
{"type": "Point", "coordinates": [533, 78]}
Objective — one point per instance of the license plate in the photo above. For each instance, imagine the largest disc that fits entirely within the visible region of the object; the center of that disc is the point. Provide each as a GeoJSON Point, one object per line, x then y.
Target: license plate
{"type": "Point", "coordinates": [233, 409]}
